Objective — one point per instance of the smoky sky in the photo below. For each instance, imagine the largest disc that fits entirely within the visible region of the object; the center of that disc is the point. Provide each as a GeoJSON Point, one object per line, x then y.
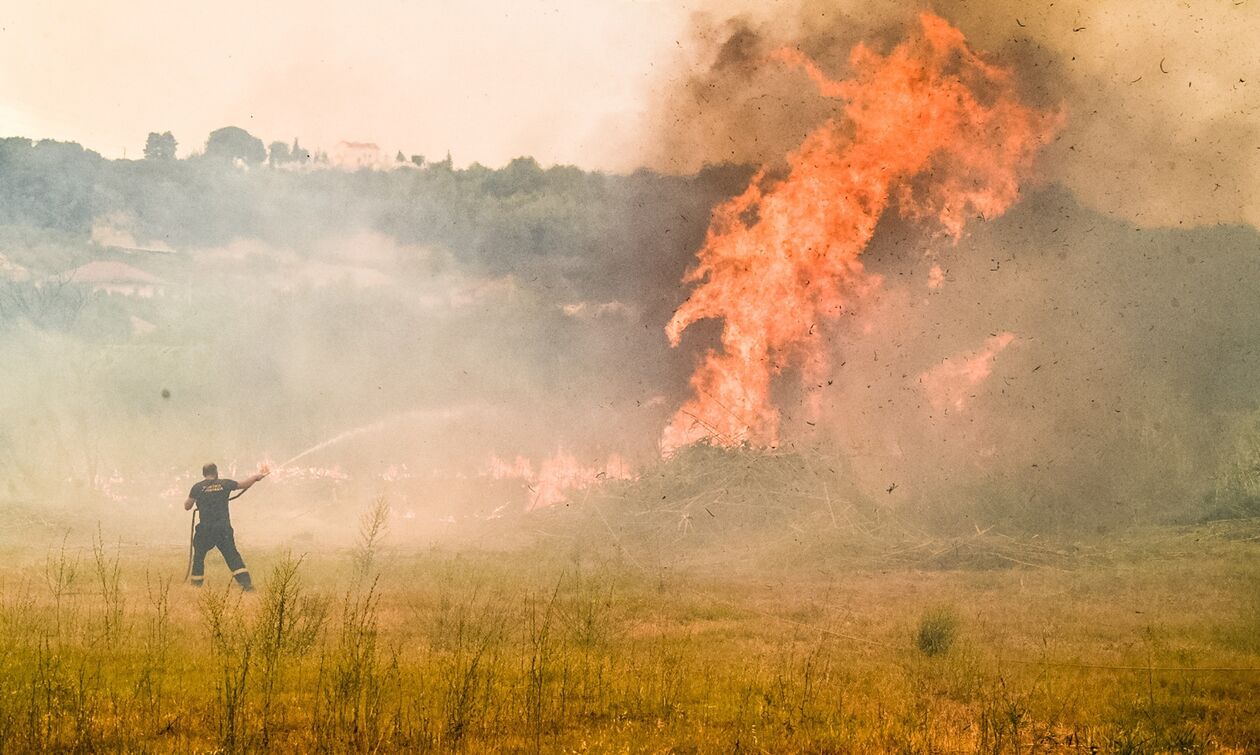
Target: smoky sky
{"type": "Point", "coordinates": [488, 80]}
{"type": "Point", "coordinates": [1161, 99]}
{"type": "Point", "coordinates": [521, 309]}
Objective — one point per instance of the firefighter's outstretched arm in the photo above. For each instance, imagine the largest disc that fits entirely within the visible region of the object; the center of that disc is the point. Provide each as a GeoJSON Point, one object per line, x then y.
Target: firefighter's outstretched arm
{"type": "Point", "coordinates": [248, 482]}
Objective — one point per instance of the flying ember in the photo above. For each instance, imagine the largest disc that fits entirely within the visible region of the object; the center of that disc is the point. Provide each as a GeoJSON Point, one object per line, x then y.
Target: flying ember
{"type": "Point", "coordinates": [932, 128]}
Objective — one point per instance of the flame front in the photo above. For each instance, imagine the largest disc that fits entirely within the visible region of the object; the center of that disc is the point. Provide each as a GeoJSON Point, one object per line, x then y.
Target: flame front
{"type": "Point", "coordinates": [932, 126]}
{"type": "Point", "coordinates": [557, 475]}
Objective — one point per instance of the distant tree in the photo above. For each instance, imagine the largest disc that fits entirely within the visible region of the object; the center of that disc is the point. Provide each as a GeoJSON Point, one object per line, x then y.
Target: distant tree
{"type": "Point", "coordinates": [278, 154]}
{"type": "Point", "coordinates": [417, 160]}
{"type": "Point", "coordinates": [522, 175]}
{"type": "Point", "coordinates": [299, 153]}
{"type": "Point", "coordinates": [48, 184]}
{"type": "Point", "coordinates": [232, 143]}
{"type": "Point", "coordinates": [400, 157]}
{"type": "Point", "coordinates": [159, 146]}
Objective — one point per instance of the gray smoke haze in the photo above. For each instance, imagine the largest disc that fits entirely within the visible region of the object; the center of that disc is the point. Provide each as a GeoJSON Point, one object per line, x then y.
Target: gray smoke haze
{"type": "Point", "coordinates": [1131, 348]}
{"type": "Point", "coordinates": [1162, 100]}
{"type": "Point", "coordinates": [156, 314]}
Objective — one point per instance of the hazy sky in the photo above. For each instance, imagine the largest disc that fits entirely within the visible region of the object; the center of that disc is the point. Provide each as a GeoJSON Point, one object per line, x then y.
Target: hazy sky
{"type": "Point", "coordinates": [1162, 98]}
{"type": "Point", "coordinates": [562, 79]}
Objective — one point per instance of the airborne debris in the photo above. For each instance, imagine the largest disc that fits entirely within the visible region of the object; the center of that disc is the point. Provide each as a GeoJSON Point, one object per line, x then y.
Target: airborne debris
{"type": "Point", "coordinates": [784, 255]}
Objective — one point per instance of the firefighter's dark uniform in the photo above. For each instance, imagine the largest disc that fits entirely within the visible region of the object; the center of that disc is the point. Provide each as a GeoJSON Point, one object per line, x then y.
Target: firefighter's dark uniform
{"type": "Point", "coordinates": [214, 530]}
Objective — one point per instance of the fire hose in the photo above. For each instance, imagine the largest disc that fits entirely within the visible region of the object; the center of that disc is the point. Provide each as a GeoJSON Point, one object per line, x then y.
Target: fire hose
{"type": "Point", "coordinates": [192, 533]}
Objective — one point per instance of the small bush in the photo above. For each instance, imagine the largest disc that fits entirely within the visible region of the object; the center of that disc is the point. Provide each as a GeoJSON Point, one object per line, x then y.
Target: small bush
{"type": "Point", "coordinates": [937, 630]}
{"type": "Point", "coordinates": [372, 526]}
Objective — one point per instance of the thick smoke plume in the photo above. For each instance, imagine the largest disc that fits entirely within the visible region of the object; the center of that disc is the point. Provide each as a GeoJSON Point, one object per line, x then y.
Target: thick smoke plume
{"type": "Point", "coordinates": [1077, 357]}
{"type": "Point", "coordinates": [1072, 361]}
{"type": "Point", "coordinates": [1162, 97]}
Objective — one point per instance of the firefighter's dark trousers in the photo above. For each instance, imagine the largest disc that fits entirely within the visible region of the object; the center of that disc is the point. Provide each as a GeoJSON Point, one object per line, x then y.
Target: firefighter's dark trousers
{"type": "Point", "coordinates": [207, 538]}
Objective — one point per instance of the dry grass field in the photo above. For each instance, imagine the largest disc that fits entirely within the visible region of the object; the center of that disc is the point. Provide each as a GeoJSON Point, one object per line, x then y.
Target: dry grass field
{"type": "Point", "coordinates": [1147, 643]}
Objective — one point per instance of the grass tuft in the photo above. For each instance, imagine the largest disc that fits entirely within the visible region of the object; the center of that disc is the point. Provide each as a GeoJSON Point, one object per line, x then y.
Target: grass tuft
{"type": "Point", "coordinates": [938, 628]}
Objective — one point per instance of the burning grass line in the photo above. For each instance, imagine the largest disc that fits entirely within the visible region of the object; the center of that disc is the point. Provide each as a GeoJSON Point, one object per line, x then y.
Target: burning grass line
{"type": "Point", "coordinates": [714, 434]}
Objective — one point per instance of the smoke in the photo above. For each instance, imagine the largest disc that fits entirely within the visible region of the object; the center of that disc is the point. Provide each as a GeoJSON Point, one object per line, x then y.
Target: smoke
{"type": "Point", "coordinates": [1070, 369]}
{"type": "Point", "coordinates": [1162, 99]}
{"type": "Point", "coordinates": [930, 126]}
{"type": "Point", "coordinates": [1049, 366]}
{"type": "Point", "coordinates": [430, 318]}
{"type": "Point", "coordinates": [1078, 357]}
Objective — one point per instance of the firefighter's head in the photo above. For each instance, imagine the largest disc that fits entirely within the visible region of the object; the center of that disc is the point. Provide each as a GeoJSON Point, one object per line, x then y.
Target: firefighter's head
{"type": "Point", "coordinates": [209, 471]}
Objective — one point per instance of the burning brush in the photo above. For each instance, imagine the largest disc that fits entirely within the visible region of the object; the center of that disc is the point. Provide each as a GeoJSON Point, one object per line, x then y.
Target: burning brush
{"type": "Point", "coordinates": [931, 127]}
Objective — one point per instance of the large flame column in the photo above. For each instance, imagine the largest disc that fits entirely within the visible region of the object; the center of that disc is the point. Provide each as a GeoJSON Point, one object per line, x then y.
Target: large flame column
{"type": "Point", "coordinates": [931, 125]}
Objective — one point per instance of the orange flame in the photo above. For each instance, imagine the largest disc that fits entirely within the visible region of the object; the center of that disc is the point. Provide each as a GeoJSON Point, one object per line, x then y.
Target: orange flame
{"type": "Point", "coordinates": [557, 476]}
{"type": "Point", "coordinates": [948, 385]}
{"type": "Point", "coordinates": [932, 126]}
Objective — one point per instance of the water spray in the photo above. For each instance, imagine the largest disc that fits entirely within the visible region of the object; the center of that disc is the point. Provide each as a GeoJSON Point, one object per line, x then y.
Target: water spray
{"type": "Point", "coordinates": [348, 434]}
{"type": "Point", "coordinates": [265, 468]}
{"type": "Point", "coordinates": [337, 439]}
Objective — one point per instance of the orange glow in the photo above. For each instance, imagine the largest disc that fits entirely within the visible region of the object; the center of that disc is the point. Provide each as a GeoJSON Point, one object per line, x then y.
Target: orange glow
{"type": "Point", "coordinates": [948, 385]}
{"type": "Point", "coordinates": [280, 474]}
{"type": "Point", "coordinates": [936, 277]}
{"type": "Point", "coordinates": [932, 128]}
{"type": "Point", "coordinates": [557, 476]}
{"type": "Point", "coordinates": [520, 468]}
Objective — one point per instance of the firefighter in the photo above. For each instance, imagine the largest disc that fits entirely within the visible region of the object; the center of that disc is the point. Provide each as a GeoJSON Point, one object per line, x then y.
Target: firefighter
{"type": "Point", "coordinates": [214, 528]}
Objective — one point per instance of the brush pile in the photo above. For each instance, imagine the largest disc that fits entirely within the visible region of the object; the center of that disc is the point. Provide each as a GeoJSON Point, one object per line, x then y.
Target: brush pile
{"type": "Point", "coordinates": [712, 506]}
{"type": "Point", "coordinates": [709, 504]}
